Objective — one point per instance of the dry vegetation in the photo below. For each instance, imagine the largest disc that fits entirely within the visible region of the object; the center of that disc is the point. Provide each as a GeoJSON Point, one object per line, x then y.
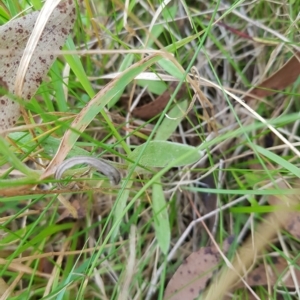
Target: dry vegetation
{"type": "Point", "coordinates": [195, 104]}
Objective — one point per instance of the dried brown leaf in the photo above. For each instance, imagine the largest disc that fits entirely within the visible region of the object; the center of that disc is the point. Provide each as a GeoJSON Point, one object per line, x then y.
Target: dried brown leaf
{"type": "Point", "coordinates": [150, 110]}
{"type": "Point", "coordinates": [13, 39]}
{"type": "Point", "coordinates": [281, 79]}
{"type": "Point", "coordinates": [191, 277]}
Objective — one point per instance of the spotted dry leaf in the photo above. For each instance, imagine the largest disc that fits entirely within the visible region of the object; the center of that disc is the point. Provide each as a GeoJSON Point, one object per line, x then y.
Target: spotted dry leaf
{"type": "Point", "coordinates": [13, 39]}
{"type": "Point", "coordinates": [276, 274]}
{"type": "Point", "coordinates": [191, 278]}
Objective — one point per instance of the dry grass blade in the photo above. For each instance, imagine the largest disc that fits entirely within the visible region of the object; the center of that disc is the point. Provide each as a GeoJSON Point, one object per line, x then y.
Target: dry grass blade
{"type": "Point", "coordinates": [292, 225]}
{"type": "Point", "coordinates": [33, 40]}
{"type": "Point", "coordinates": [3, 286]}
{"type": "Point", "coordinates": [14, 37]}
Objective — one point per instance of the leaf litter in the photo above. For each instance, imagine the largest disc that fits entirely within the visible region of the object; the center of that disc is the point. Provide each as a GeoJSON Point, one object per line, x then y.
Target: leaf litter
{"type": "Point", "coordinates": [14, 36]}
{"type": "Point", "coordinates": [279, 80]}
{"type": "Point", "coordinates": [192, 276]}
{"type": "Point", "coordinates": [4, 84]}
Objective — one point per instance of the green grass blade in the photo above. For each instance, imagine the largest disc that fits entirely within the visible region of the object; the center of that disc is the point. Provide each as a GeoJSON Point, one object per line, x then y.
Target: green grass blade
{"type": "Point", "coordinates": [279, 160]}
{"type": "Point", "coordinates": [161, 217]}
{"type": "Point", "coordinates": [171, 121]}
{"type": "Point", "coordinates": [9, 156]}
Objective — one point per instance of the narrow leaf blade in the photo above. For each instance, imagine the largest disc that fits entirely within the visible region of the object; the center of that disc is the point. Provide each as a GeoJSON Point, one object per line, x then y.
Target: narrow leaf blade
{"type": "Point", "coordinates": [171, 121]}
{"type": "Point", "coordinates": [161, 218]}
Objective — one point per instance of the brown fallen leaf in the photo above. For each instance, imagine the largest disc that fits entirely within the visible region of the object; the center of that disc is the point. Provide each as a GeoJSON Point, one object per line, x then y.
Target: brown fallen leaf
{"type": "Point", "coordinates": [14, 36]}
{"type": "Point", "coordinates": [45, 264]}
{"type": "Point", "coordinates": [191, 278]}
{"type": "Point", "coordinates": [281, 79]}
{"type": "Point", "coordinates": [150, 110]}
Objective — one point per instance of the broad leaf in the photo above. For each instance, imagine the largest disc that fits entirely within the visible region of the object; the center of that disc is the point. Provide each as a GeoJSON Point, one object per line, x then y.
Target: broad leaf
{"type": "Point", "coordinates": [14, 36]}
{"type": "Point", "coordinates": [161, 153]}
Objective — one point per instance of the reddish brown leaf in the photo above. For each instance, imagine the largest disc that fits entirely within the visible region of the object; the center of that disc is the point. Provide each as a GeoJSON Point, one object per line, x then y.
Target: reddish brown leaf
{"type": "Point", "coordinates": [150, 110]}
{"type": "Point", "coordinates": [279, 80]}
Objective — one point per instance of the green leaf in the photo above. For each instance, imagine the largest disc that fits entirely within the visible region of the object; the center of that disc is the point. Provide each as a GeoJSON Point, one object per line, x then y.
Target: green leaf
{"type": "Point", "coordinates": [171, 68]}
{"type": "Point", "coordinates": [119, 210]}
{"type": "Point", "coordinates": [155, 33]}
{"type": "Point", "coordinates": [153, 86]}
{"type": "Point", "coordinates": [9, 156]}
{"type": "Point", "coordinates": [161, 153]}
{"type": "Point", "coordinates": [97, 104]}
{"type": "Point", "coordinates": [49, 144]}
{"type": "Point", "coordinates": [279, 160]}
{"type": "Point", "coordinates": [161, 218]}
{"type": "Point", "coordinates": [171, 121]}
{"type": "Point", "coordinates": [77, 67]}
{"type": "Point", "coordinates": [37, 4]}
{"type": "Point", "coordinates": [4, 15]}
{"type": "Point", "coordinates": [127, 62]}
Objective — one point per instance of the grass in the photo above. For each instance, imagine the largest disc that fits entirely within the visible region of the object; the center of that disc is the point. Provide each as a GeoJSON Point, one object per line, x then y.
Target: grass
{"type": "Point", "coordinates": [129, 239]}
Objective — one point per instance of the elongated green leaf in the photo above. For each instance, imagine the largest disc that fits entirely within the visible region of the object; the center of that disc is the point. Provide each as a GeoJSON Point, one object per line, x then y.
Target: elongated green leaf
{"type": "Point", "coordinates": [44, 233]}
{"type": "Point", "coordinates": [49, 144]}
{"type": "Point", "coordinates": [161, 217]}
{"type": "Point", "coordinates": [78, 69]}
{"type": "Point", "coordinates": [8, 156]}
{"type": "Point", "coordinates": [281, 161]}
{"type": "Point", "coordinates": [161, 153]}
{"type": "Point", "coordinates": [171, 68]}
{"type": "Point", "coordinates": [171, 121]}
{"type": "Point", "coordinates": [127, 62]}
{"type": "Point", "coordinates": [118, 212]}
{"type": "Point", "coordinates": [155, 87]}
